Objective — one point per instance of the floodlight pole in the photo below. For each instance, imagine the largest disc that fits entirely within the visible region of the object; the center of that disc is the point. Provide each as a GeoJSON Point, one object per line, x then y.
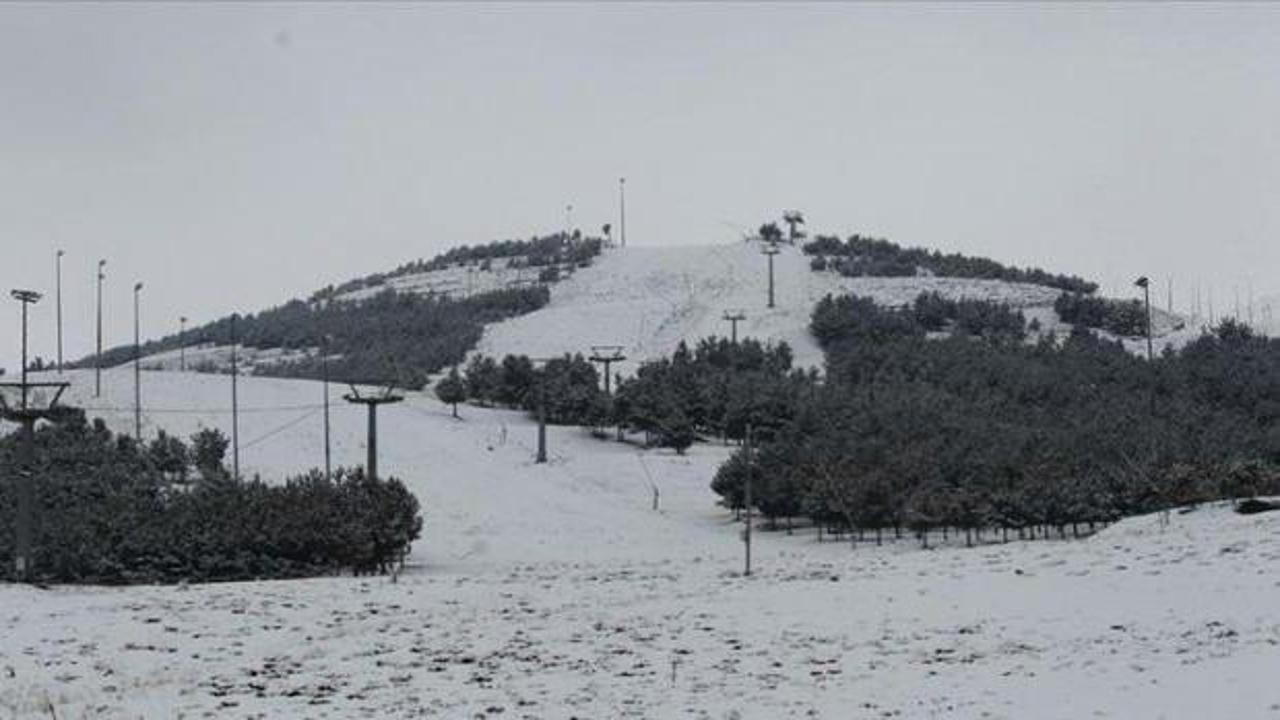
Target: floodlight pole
{"type": "Point", "coordinates": [734, 318]}
{"type": "Point", "coordinates": [26, 297]}
{"type": "Point", "coordinates": [746, 501]}
{"type": "Point", "coordinates": [23, 557]}
{"type": "Point", "coordinates": [137, 366]}
{"type": "Point", "coordinates": [1145, 284]}
{"type": "Point", "coordinates": [770, 249]}
{"type": "Point", "coordinates": [182, 343]}
{"type": "Point", "coordinates": [324, 364]}
{"type": "Point", "coordinates": [622, 210]}
{"type": "Point", "coordinates": [58, 275]}
{"type": "Point", "coordinates": [97, 358]}
{"type": "Point", "coordinates": [235, 404]}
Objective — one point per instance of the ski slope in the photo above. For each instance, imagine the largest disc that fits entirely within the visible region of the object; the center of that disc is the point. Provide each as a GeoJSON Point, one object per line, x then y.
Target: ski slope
{"type": "Point", "coordinates": [556, 591]}
{"type": "Point", "coordinates": [648, 299]}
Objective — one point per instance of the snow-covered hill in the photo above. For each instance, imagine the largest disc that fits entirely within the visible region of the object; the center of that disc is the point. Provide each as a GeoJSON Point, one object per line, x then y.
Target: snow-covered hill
{"type": "Point", "coordinates": [648, 299]}
{"type": "Point", "coordinates": [557, 590]}
{"type": "Point", "coordinates": [549, 591]}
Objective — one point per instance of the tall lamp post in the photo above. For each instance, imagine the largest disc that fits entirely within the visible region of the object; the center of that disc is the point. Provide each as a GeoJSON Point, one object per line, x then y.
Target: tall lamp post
{"type": "Point", "coordinates": [1145, 284]}
{"type": "Point", "coordinates": [324, 364]}
{"type": "Point", "coordinates": [622, 210]}
{"type": "Point", "coordinates": [137, 365]}
{"type": "Point", "coordinates": [97, 358]}
{"type": "Point", "coordinates": [25, 412]}
{"type": "Point", "coordinates": [182, 343]}
{"type": "Point", "coordinates": [58, 275]}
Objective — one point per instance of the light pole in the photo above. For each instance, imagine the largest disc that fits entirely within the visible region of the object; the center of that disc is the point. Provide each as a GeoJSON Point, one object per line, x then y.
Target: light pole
{"type": "Point", "coordinates": [622, 210]}
{"type": "Point", "coordinates": [182, 343]}
{"type": "Point", "coordinates": [1145, 284]}
{"type": "Point", "coordinates": [97, 358]}
{"type": "Point", "coordinates": [137, 365]}
{"type": "Point", "coordinates": [568, 222]}
{"type": "Point", "coordinates": [26, 492]}
{"type": "Point", "coordinates": [746, 501]}
{"type": "Point", "coordinates": [235, 404]}
{"type": "Point", "coordinates": [26, 297]}
{"type": "Point", "coordinates": [324, 364]}
{"type": "Point", "coordinates": [58, 274]}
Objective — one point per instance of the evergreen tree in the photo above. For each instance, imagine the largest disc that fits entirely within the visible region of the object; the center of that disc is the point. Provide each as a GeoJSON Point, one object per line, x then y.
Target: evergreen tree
{"type": "Point", "coordinates": [452, 389]}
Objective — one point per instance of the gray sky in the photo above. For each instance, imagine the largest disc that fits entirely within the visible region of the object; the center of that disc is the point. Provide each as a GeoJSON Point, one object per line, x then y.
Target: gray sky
{"type": "Point", "coordinates": [232, 156]}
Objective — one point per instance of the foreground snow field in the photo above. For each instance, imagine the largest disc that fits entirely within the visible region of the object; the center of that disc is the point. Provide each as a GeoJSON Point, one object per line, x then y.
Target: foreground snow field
{"type": "Point", "coordinates": [556, 591]}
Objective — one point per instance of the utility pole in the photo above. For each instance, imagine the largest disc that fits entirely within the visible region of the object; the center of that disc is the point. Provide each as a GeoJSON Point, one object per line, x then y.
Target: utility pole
{"type": "Point", "coordinates": [182, 343]}
{"type": "Point", "coordinates": [746, 534]}
{"type": "Point", "coordinates": [607, 355]}
{"type": "Point", "coordinates": [734, 317]}
{"type": "Point", "coordinates": [568, 222]}
{"type": "Point", "coordinates": [26, 415]}
{"type": "Point", "coordinates": [97, 358]}
{"type": "Point", "coordinates": [235, 404]}
{"type": "Point", "coordinates": [372, 402]}
{"type": "Point", "coordinates": [324, 365]}
{"type": "Point", "coordinates": [770, 249]}
{"type": "Point", "coordinates": [137, 366]}
{"type": "Point", "coordinates": [1145, 284]}
{"type": "Point", "coordinates": [622, 210]}
{"type": "Point", "coordinates": [58, 274]}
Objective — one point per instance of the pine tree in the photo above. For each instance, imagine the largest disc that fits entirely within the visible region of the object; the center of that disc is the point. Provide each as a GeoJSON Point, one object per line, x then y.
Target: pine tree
{"type": "Point", "coordinates": [452, 389]}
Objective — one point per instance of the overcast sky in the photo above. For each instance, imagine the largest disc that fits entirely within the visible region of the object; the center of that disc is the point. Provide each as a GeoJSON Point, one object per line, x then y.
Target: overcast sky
{"type": "Point", "coordinates": [232, 156]}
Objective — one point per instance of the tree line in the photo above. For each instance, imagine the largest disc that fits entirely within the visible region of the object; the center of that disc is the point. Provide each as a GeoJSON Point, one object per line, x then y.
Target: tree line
{"type": "Point", "coordinates": [711, 390]}
{"type": "Point", "coordinates": [569, 249]}
{"type": "Point", "coordinates": [861, 256]}
{"type": "Point", "coordinates": [975, 432]}
{"type": "Point", "coordinates": [114, 511]}
{"type": "Point", "coordinates": [401, 337]}
{"type": "Point", "coordinates": [1125, 318]}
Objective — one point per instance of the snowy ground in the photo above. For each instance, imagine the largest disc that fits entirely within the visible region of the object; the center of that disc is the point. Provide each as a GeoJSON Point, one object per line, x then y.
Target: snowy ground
{"type": "Point", "coordinates": [556, 591]}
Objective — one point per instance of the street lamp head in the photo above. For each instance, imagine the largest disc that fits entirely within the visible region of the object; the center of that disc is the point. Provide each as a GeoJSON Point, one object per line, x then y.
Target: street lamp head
{"type": "Point", "coordinates": [137, 287]}
{"type": "Point", "coordinates": [61, 253]}
{"type": "Point", "coordinates": [25, 296]}
{"type": "Point", "coordinates": [1141, 282]}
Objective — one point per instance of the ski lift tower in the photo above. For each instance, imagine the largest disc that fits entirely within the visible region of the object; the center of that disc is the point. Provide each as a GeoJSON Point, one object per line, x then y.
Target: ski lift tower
{"type": "Point", "coordinates": [607, 355]}
{"type": "Point", "coordinates": [372, 401]}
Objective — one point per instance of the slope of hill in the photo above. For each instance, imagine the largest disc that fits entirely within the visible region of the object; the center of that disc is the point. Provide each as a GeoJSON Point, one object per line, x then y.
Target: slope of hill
{"type": "Point", "coordinates": [649, 299]}
{"type": "Point", "coordinates": [543, 591]}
